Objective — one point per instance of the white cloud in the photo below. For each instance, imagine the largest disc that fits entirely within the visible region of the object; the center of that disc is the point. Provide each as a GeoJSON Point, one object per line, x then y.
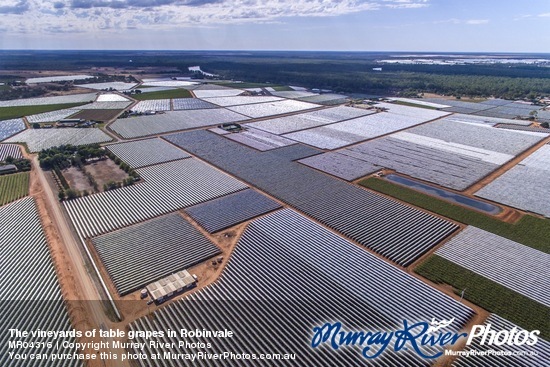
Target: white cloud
{"type": "Point", "coordinates": [406, 4]}
{"type": "Point", "coordinates": [111, 15]}
{"type": "Point", "coordinates": [461, 21]}
{"type": "Point", "coordinates": [477, 21]}
{"type": "Point", "coordinates": [544, 15]}
{"type": "Point", "coordinates": [450, 21]}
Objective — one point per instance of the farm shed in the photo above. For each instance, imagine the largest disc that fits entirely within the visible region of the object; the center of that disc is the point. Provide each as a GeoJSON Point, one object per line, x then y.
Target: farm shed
{"type": "Point", "coordinates": [8, 168]}
{"type": "Point", "coordinates": [172, 285]}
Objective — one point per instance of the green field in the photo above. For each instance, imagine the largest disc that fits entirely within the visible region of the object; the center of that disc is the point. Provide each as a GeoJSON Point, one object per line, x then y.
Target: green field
{"type": "Point", "coordinates": [492, 296]}
{"type": "Point", "coordinates": [410, 104]}
{"type": "Point", "coordinates": [163, 94]}
{"type": "Point", "coordinates": [282, 88]}
{"type": "Point", "coordinates": [13, 187]}
{"type": "Point", "coordinates": [20, 111]}
{"type": "Point", "coordinates": [529, 230]}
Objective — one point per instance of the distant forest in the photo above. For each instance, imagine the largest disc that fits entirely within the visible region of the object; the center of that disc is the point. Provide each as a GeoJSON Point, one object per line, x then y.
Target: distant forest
{"type": "Point", "coordinates": [350, 73]}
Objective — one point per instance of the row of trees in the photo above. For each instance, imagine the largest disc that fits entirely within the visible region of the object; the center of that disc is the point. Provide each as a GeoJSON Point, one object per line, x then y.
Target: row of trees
{"type": "Point", "coordinates": [103, 78]}
{"type": "Point", "coordinates": [357, 76]}
{"type": "Point", "coordinates": [30, 91]}
{"type": "Point", "coordinates": [340, 71]}
{"type": "Point", "coordinates": [70, 193]}
{"type": "Point", "coordinates": [65, 156]}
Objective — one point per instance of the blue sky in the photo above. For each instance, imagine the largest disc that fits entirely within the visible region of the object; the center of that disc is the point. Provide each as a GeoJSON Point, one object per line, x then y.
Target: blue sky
{"type": "Point", "coordinates": [371, 25]}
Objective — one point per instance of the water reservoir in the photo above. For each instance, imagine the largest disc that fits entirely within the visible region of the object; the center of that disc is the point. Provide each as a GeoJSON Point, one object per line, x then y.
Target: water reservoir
{"type": "Point", "coordinates": [446, 195]}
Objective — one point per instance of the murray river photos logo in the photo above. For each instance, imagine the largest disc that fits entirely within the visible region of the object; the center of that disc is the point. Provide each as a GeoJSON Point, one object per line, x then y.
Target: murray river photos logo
{"type": "Point", "coordinates": [421, 337]}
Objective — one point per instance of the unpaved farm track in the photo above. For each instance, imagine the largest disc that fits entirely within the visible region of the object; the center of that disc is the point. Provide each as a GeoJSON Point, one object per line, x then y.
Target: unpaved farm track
{"type": "Point", "coordinates": [84, 302]}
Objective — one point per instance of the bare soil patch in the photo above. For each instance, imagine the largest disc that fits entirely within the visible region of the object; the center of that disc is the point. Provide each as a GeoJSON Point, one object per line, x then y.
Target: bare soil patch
{"type": "Point", "coordinates": [104, 171]}
{"type": "Point", "coordinates": [97, 115]}
{"type": "Point", "coordinates": [77, 179]}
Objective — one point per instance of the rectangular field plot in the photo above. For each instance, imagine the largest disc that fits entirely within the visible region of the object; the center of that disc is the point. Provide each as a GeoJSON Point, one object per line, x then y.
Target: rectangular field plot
{"type": "Point", "coordinates": [13, 187]}
{"type": "Point", "coordinates": [491, 121]}
{"type": "Point", "coordinates": [134, 127]}
{"type": "Point", "coordinates": [355, 130]}
{"type": "Point", "coordinates": [420, 102]}
{"type": "Point", "coordinates": [293, 94]}
{"type": "Point", "coordinates": [340, 165]}
{"type": "Point", "coordinates": [487, 254]}
{"type": "Point", "coordinates": [480, 136]}
{"type": "Point", "coordinates": [515, 358]}
{"type": "Point", "coordinates": [459, 105]}
{"type": "Point", "coordinates": [152, 250]}
{"type": "Point", "coordinates": [52, 116]}
{"type": "Point", "coordinates": [111, 97]}
{"type": "Point", "coordinates": [11, 127]}
{"type": "Point", "coordinates": [72, 98]}
{"type": "Point", "coordinates": [191, 104]}
{"type": "Point", "coordinates": [259, 139]}
{"type": "Point", "coordinates": [116, 105]}
{"type": "Point", "coordinates": [97, 115]}
{"type": "Point", "coordinates": [496, 102]}
{"type": "Point", "coordinates": [446, 168]}
{"type": "Point", "coordinates": [203, 92]}
{"type": "Point", "coordinates": [217, 130]}
{"type": "Point", "coordinates": [31, 297]}
{"type": "Point", "coordinates": [152, 105]}
{"type": "Point", "coordinates": [525, 186]}
{"type": "Point", "coordinates": [326, 99]}
{"type": "Point", "coordinates": [535, 129]}
{"type": "Point", "coordinates": [168, 187]}
{"type": "Point", "coordinates": [396, 231]}
{"type": "Point", "coordinates": [240, 100]}
{"type": "Point", "coordinates": [320, 270]}
{"type": "Point", "coordinates": [155, 89]}
{"type": "Point", "coordinates": [10, 150]}
{"type": "Point", "coordinates": [169, 83]}
{"type": "Point", "coordinates": [218, 214]}
{"type": "Point", "coordinates": [450, 153]}
{"type": "Point", "coordinates": [108, 85]}
{"type": "Point", "coordinates": [146, 152]}
{"type": "Point", "coordinates": [272, 108]}
{"type": "Point", "coordinates": [416, 112]}
{"type": "Point", "coordinates": [325, 137]}
{"type": "Point", "coordinates": [307, 120]}
{"type": "Point", "coordinates": [39, 139]}
{"type": "Point", "coordinates": [510, 111]}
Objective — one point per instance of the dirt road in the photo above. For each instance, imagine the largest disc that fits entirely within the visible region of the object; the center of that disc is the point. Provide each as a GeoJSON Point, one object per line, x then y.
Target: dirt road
{"type": "Point", "coordinates": [85, 289]}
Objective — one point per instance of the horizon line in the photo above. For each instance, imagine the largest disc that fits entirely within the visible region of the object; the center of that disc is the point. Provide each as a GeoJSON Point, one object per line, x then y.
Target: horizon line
{"type": "Point", "coordinates": [292, 51]}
